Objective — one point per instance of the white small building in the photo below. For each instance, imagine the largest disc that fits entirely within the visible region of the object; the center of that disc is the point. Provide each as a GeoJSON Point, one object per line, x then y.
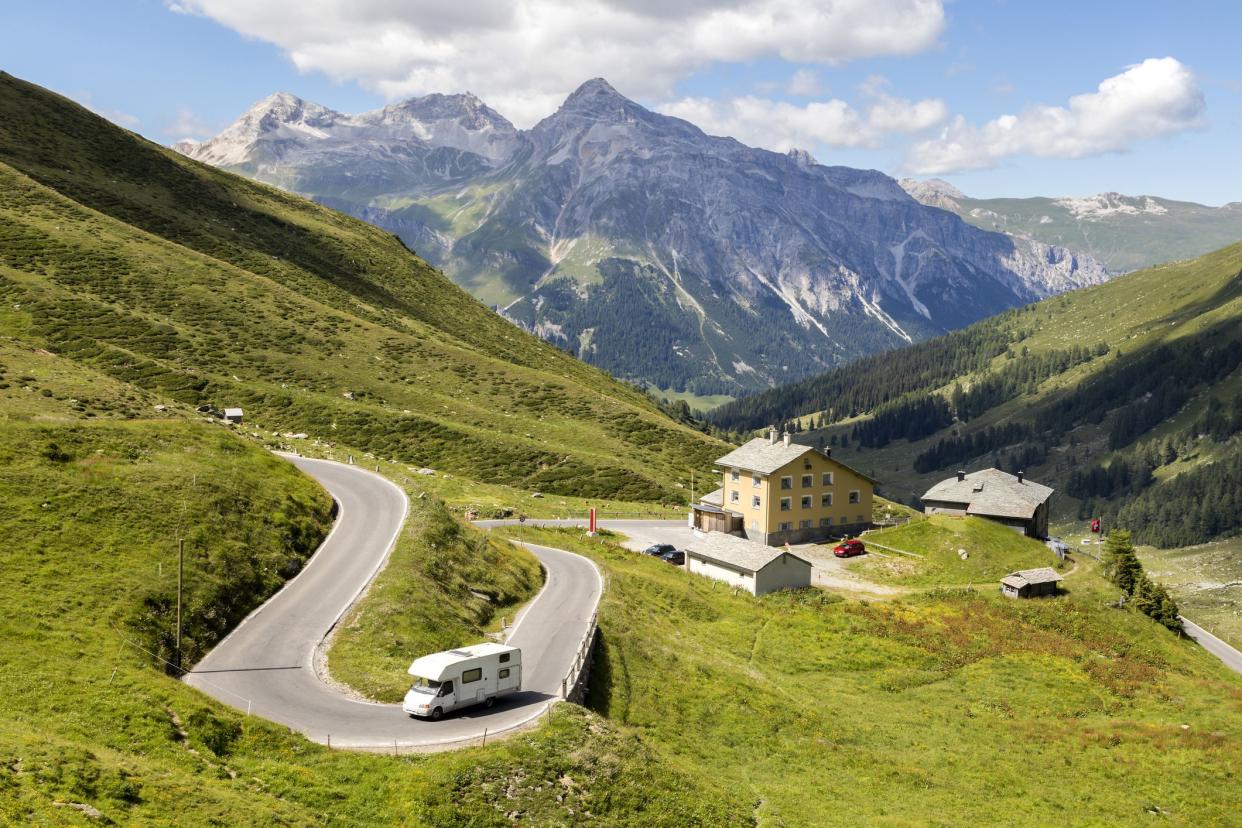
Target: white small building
{"type": "Point", "coordinates": [754, 567]}
{"type": "Point", "coordinates": [233, 415]}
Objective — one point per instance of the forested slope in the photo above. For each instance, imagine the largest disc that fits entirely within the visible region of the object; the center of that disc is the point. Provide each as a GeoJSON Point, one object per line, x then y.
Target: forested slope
{"type": "Point", "coordinates": [1125, 396]}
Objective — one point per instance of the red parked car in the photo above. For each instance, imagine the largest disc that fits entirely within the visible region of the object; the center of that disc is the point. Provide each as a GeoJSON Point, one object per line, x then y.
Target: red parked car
{"type": "Point", "coordinates": [849, 548]}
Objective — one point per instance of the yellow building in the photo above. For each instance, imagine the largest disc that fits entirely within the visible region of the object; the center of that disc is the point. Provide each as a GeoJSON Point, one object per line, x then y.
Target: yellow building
{"type": "Point", "coordinates": [776, 491]}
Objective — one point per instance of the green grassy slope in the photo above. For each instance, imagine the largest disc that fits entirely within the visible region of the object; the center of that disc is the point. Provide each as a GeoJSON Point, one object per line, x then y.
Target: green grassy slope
{"type": "Point", "coordinates": [444, 586]}
{"type": "Point", "coordinates": [948, 708]}
{"type": "Point", "coordinates": [1206, 580]}
{"type": "Point", "coordinates": [197, 286]}
{"type": "Point", "coordinates": [92, 731]}
{"type": "Point", "coordinates": [992, 551]}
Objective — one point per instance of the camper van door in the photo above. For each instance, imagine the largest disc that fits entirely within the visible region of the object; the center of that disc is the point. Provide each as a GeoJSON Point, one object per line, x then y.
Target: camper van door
{"type": "Point", "coordinates": [448, 699]}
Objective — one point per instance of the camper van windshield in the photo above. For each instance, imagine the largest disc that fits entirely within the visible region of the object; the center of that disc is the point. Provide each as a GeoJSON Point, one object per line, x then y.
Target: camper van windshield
{"type": "Point", "coordinates": [423, 685]}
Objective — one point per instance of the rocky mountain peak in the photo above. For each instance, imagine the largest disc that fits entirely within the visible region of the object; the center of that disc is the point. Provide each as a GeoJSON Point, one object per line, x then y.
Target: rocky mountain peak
{"type": "Point", "coordinates": [934, 192]}
{"type": "Point", "coordinates": [801, 157]}
{"type": "Point", "coordinates": [599, 101]}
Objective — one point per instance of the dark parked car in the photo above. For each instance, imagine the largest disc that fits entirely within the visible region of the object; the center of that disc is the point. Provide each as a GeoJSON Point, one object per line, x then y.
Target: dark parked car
{"type": "Point", "coordinates": [675, 557]}
{"type": "Point", "coordinates": [660, 549]}
{"type": "Point", "coordinates": [849, 548]}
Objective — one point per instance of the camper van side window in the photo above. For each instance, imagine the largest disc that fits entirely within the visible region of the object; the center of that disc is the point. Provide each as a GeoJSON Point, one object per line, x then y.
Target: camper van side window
{"type": "Point", "coordinates": [504, 673]}
{"type": "Point", "coordinates": [472, 675]}
{"type": "Point", "coordinates": [504, 658]}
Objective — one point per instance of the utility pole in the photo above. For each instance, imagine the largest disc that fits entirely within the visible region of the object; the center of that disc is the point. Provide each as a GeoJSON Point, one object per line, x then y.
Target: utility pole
{"type": "Point", "coordinates": [180, 580]}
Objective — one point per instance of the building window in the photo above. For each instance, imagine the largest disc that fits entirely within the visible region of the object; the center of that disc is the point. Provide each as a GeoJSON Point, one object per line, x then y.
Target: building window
{"type": "Point", "coordinates": [503, 673]}
{"type": "Point", "coordinates": [786, 483]}
{"type": "Point", "coordinates": [786, 504]}
{"type": "Point", "coordinates": [735, 475]}
{"type": "Point", "coordinates": [808, 480]}
{"type": "Point", "coordinates": [470, 676]}
{"type": "Point", "coordinates": [504, 658]}
{"type": "Point", "coordinates": [855, 497]}
{"type": "Point", "coordinates": [862, 518]}
{"type": "Point", "coordinates": [733, 495]}
{"type": "Point", "coordinates": [825, 523]}
{"type": "Point", "coordinates": [827, 478]}
{"type": "Point", "coordinates": [806, 501]}
{"type": "Point", "coordinates": [804, 524]}
{"type": "Point", "coordinates": [786, 526]}
{"type": "Point", "coordinates": [755, 480]}
{"type": "Point", "coordinates": [825, 499]}
{"type": "Point", "coordinates": [754, 502]}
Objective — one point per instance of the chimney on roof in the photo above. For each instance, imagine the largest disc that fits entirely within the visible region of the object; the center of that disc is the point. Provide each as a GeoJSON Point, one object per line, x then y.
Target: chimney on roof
{"type": "Point", "coordinates": [772, 435]}
{"type": "Point", "coordinates": [961, 475]}
{"type": "Point", "coordinates": [786, 439]}
{"type": "Point", "coordinates": [1020, 474]}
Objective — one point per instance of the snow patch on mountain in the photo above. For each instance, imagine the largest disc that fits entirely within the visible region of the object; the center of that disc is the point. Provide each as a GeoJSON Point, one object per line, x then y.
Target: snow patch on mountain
{"type": "Point", "coordinates": [1103, 205]}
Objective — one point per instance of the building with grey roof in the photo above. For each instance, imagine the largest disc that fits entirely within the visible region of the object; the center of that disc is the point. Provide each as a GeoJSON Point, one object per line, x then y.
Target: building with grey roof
{"type": "Point", "coordinates": [746, 564]}
{"type": "Point", "coordinates": [1031, 583]}
{"type": "Point", "coordinates": [1006, 498]}
{"type": "Point", "coordinates": [776, 491]}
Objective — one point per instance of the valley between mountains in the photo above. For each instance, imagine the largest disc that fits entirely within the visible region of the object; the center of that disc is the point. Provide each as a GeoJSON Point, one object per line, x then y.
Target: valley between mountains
{"type": "Point", "coordinates": [143, 293]}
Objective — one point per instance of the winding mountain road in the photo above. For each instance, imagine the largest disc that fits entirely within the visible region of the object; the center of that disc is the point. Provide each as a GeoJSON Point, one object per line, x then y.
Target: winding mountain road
{"type": "Point", "coordinates": [266, 665]}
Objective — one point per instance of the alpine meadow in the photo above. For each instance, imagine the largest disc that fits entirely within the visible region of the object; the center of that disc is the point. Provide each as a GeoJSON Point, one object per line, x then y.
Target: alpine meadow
{"type": "Point", "coordinates": [713, 414]}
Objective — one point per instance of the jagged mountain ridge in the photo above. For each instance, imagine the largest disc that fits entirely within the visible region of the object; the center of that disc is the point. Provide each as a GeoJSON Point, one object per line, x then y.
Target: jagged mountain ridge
{"type": "Point", "coordinates": [646, 246]}
{"type": "Point", "coordinates": [1122, 231]}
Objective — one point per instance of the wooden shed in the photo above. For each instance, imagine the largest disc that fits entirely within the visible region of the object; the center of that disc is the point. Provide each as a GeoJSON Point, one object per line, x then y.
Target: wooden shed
{"type": "Point", "coordinates": [1031, 583]}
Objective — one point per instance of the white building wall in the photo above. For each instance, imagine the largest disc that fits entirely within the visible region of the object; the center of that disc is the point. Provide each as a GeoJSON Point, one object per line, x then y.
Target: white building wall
{"type": "Point", "coordinates": [786, 572]}
{"type": "Point", "coordinates": [732, 577]}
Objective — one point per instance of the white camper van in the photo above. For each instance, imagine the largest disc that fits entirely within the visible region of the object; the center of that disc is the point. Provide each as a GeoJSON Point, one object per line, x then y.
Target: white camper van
{"type": "Point", "coordinates": [459, 678]}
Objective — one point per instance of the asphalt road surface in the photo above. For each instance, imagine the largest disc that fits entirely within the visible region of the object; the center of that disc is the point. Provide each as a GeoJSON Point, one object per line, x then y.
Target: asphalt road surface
{"type": "Point", "coordinates": [265, 666]}
{"type": "Point", "coordinates": [1231, 657]}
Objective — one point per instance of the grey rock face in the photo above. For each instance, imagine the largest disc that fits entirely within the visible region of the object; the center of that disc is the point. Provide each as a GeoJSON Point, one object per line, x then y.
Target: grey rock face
{"type": "Point", "coordinates": [660, 253]}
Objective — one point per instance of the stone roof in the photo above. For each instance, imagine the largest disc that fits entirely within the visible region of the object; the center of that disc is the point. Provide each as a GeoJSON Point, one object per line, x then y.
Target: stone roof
{"type": "Point", "coordinates": [1042, 575]}
{"type": "Point", "coordinates": [737, 552]}
{"type": "Point", "coordinates": [764, 456]}
{"type": "Point", "coordinates": [716, 498]}
{"type": "Point", "coordinates": [992, 493]}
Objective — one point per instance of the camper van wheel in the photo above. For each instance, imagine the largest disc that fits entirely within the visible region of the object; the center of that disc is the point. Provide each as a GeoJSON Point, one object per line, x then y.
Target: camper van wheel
{"type": "Point", "coordinates": [436, 713]}
{"type": "Point", "coordinates": [490, 703]}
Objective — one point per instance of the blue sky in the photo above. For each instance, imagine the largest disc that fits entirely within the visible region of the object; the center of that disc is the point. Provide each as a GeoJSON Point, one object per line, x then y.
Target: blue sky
{"type": "Point", "coordinates": [904, 86]}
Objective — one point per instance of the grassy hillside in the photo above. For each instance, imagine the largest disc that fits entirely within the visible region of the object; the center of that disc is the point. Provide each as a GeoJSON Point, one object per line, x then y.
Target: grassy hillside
{"type": "Point", "coordinates": [1122, 396]}
{"type": "Point", "coordinates": [193, 286]}
{"type": "Point", "coordinates": [946, 708]}
{"type": "Point", "coordinates": [992, 552]}
{"type": "Point", "coordinates": [92, 731]}
{"type": "Point", "coordinates": [443, 587]}
{"type": "Point", "coordinates": [1206, 581]}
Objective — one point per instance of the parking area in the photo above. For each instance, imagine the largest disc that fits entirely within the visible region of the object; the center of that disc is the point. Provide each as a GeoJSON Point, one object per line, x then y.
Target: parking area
{"type": "Point", "coordinates": [827, 571]}
{"type": "Point", "coordinates": [644, 533]}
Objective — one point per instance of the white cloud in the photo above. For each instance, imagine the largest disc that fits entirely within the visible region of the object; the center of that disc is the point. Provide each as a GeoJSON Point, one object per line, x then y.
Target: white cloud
{"type": "Point", "coordinates": [804, 84]}
{"type": "Point", "coordinates": [116, 116]}
{"type": "Point", "coordinates": [780, 125]}
{"type": "Point", "coordinates": [1159, 96]}
{"type": "Point", "coordinates": [525, 56]}
{"type": "Point", "coordinates": [187, 126]}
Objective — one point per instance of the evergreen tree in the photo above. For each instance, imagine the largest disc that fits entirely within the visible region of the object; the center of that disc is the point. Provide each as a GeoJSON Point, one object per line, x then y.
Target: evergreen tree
{"type": "Point", "coordinates": [1120, 563]}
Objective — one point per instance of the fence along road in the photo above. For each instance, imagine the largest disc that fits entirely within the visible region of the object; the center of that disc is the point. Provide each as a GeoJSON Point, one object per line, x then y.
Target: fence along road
{"type": "Point", "coordinates": [266, 665]}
